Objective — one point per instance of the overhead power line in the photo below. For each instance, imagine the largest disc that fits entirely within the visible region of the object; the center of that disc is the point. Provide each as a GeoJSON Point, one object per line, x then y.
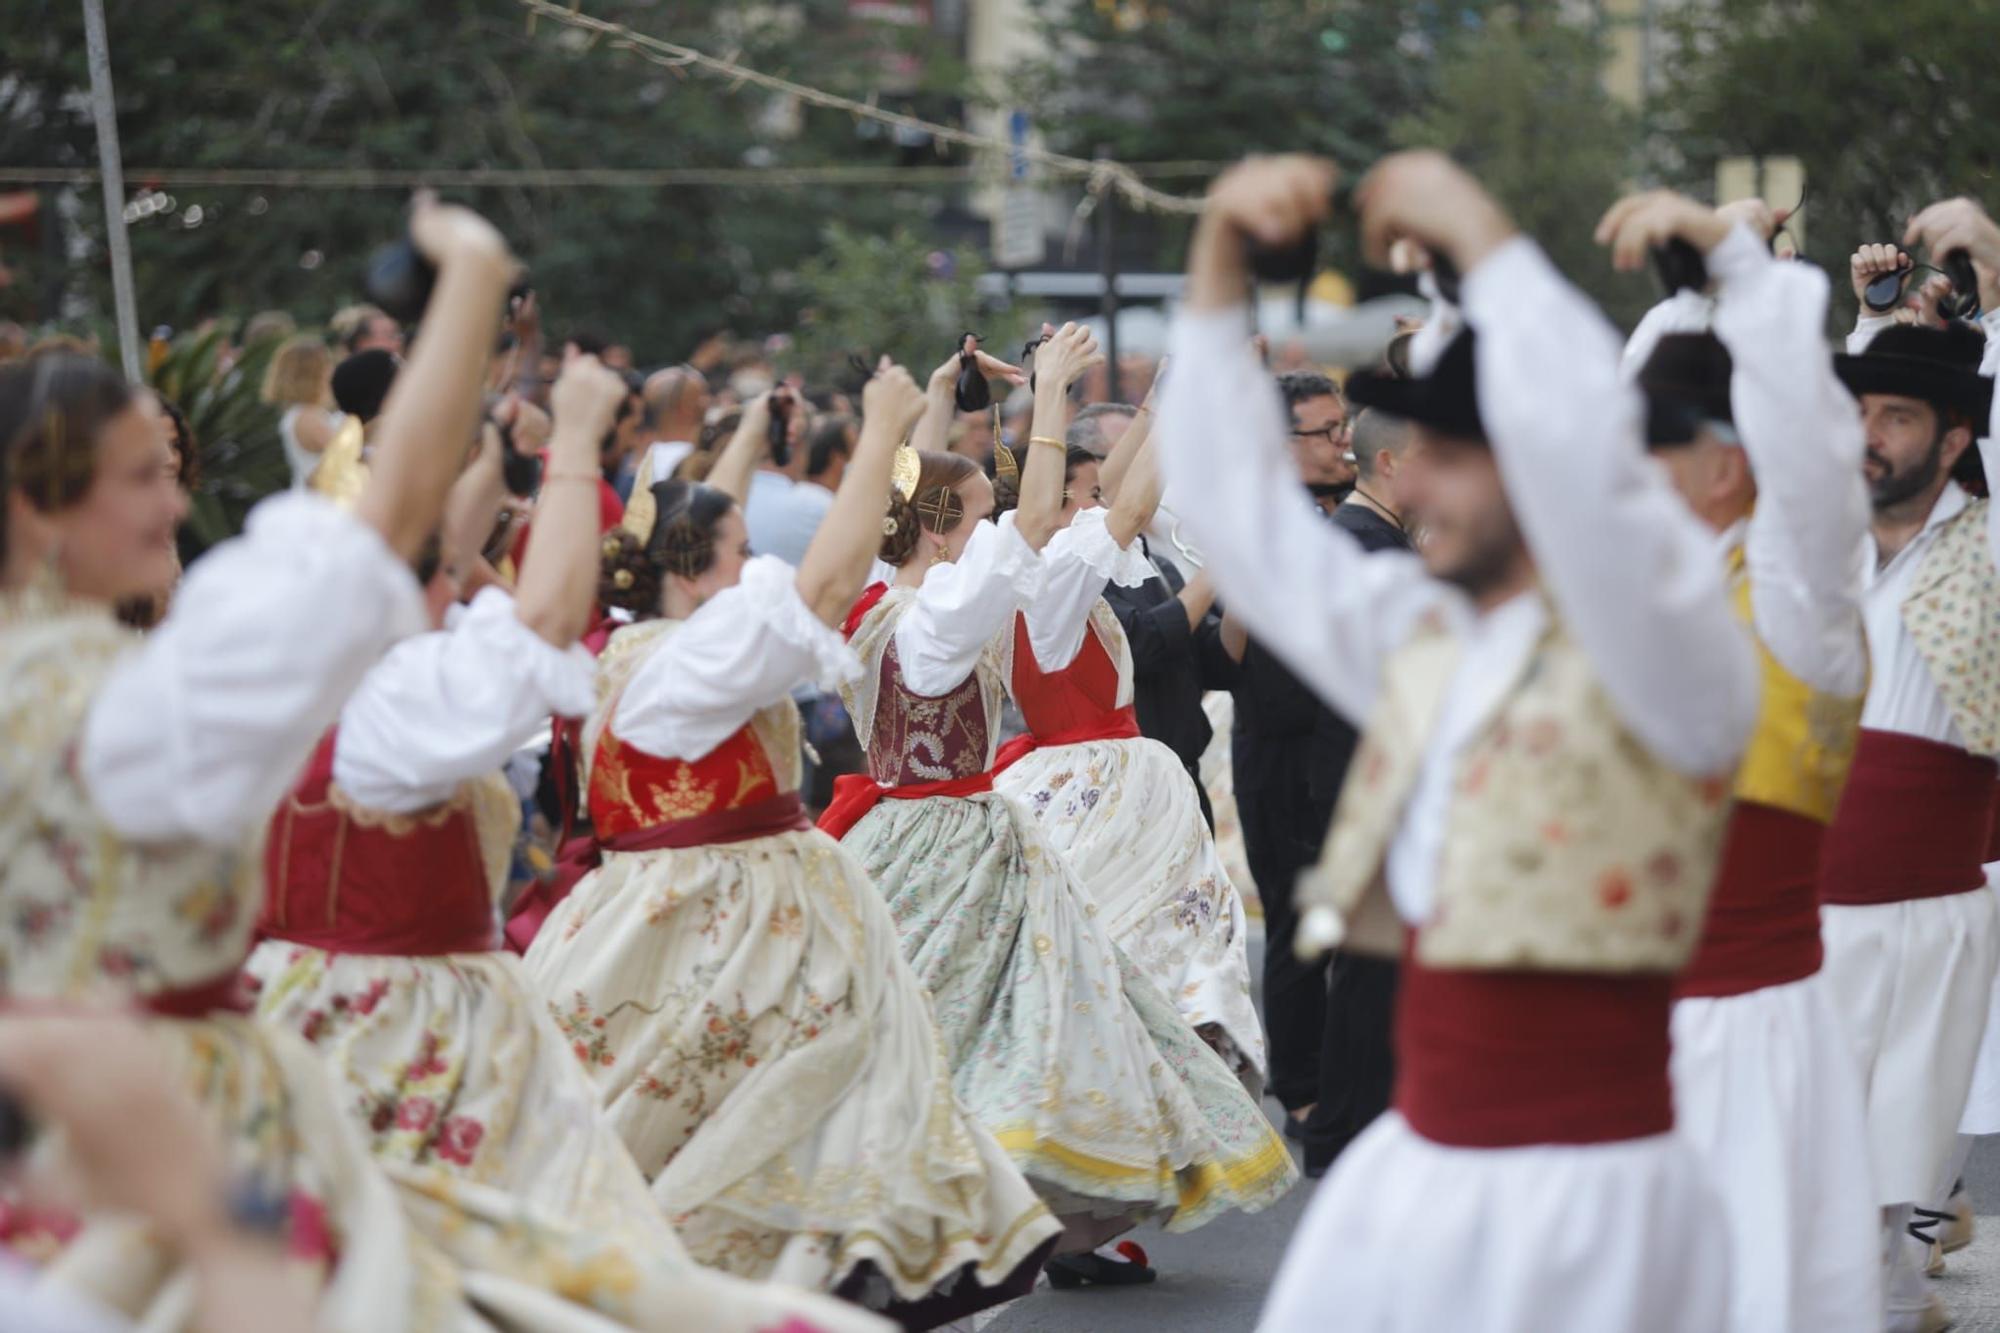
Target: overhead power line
{"type": "Point", "coordinates": [1099, 174]}
{"type": "Point", "coordinates": [372, 178]}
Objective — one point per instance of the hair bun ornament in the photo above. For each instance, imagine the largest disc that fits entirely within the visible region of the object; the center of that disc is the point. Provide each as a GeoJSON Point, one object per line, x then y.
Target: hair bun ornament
{"type": "Point", "coordinates": [611, 545]}
{"type": "Point", "coordinates": [905, 472]}
{"type": "Point", "coordinates": [622, 579]}
{"type": "Point", "coordinates": [972, 393]}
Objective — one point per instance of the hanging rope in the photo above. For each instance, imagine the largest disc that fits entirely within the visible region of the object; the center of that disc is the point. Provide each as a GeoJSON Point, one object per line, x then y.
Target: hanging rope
{"type": "Point", "coordinates": [1098, 174]}
{"type": "Point", "coordinates": [372, 178]}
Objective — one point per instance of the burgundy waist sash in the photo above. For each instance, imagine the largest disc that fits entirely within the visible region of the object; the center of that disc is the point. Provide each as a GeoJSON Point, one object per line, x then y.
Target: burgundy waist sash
{"type": "Point", "coordinates": [1507, 1059]}
{"type": "Point", "coordinates": [1762, 927]}
{"type": "Point", "coordinates": [783, 813]}
{"type": "Point", "coordinates": [1912, 823]}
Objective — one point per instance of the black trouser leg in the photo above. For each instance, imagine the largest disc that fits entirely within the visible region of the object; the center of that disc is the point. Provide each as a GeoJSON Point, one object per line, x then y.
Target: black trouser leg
{"type": "Point", "coordinates": [1357, 1062]}
{"type": "Point", "coordinates": [1294, 991]}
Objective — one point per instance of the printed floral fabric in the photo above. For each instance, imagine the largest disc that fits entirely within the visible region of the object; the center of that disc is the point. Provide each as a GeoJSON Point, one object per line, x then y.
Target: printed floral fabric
{"type": "Point", "coordinates": [1218, 777]}
{"type": "Point", "coordinates": [1953, 615]}
{"type": "Point", "coordinates": [73, 921]}
{"type": "Point", "coordinates": [1127, 818]}
{"type": "Point", "coordinates": [766, 1055]}
{"type": "Point", "coordinates": [1082, 1069]}
{"type": "Point", "coordinates": [457, 1078]}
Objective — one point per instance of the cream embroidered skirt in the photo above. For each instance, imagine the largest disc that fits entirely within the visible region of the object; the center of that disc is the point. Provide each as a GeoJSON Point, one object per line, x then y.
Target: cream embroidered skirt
{"type": "Point", "coordinates": [1127, 818]}
{"type": "Point", "coordinates": [436, 1254]}
{"type": "Point", "coordinates": [769, 1059]}
{"type": "Point", "coordinates": [1081, 1068]}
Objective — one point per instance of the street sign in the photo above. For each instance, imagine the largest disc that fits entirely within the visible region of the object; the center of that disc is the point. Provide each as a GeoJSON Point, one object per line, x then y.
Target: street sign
{"type": "Point", "coordinates": [1018, 238]}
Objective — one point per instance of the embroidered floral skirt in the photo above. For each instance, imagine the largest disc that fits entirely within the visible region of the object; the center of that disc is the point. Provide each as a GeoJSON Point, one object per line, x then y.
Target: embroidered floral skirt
{"type": "Point", "coordinates": [1127, 818]}
{"type": "Point", "coordinates": [763, 1050]}
{"type": "Point", "coordinates": [1081, 1068]}
{"type": "Point", "coordinates": [452, 1073]}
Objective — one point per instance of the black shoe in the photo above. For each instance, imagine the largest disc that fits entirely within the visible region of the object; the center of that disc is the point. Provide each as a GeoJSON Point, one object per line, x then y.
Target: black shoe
{"type": "Point", "coordinates": [1069, 1271]}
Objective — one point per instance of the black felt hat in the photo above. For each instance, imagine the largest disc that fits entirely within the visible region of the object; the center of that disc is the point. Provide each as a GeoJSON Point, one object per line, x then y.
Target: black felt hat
{"type": "Point", "coordinates": [1446, 400]}
{"type": "Point", "coordinates": [1686, 382]}
{"type": "Point", "coordinates": [1938, 366]}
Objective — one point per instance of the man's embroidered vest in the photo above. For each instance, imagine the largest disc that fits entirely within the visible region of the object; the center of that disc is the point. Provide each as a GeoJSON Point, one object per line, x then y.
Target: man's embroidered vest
{"type": "Point", "coordinates": [1569, 847]}
{"type": "Point", "coordinates": [1798, 756]}
{"type": "Point", "coordinates": [1952, 613]}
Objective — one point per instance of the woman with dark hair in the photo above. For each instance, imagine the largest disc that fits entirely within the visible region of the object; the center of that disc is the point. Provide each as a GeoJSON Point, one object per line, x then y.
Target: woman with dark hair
{"type": "Point", "coordinates": [1119, 806]}
{"type": "Point", "coordinates": [1105, 1098]}
{"type": "Point", "coordinates": [137, 772]}
{"type": "Point", "coordinates": [382, 868]}
{"type": "Point", "coordinates": [728, 974]}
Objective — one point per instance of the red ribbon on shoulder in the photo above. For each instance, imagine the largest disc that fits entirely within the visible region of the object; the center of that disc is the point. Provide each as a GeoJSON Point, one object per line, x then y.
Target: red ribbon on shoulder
{"type": "Point", "coordinates": [870, 595]}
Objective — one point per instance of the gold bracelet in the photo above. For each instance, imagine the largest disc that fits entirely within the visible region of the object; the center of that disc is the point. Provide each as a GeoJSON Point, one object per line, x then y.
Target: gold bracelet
{"type": "Point", "coordinates": [1051, 443]}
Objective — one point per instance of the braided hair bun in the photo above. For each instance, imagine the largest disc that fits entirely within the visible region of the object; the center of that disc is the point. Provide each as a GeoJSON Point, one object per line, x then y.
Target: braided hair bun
{"type": "Point", "coordinates": [627, 578]}
{"type": "Point", "coordinates": [935, 506]}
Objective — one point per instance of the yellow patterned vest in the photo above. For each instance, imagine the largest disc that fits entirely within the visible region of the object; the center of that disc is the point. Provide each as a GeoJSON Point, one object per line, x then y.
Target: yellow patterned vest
{"type": "Point", "coordinates": [1798, 756]}
{"type": "Point", "coordinates": [1569, 847]}
{"type": "Point", "coordinates": [83, 912]}
{"type": "Point", "coordinates": [1952, 614]}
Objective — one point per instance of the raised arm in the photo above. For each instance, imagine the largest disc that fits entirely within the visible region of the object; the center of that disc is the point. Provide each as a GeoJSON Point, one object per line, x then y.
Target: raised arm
{"type": "Point", "coordinates": [1802, 431]}
{"type": "Point", "coordinates": [738, 459]}
{"type": "Point", "coordinates": [196, 733]}
{"type": "Point", "coordinates": [836, 563]}
{"type": "Point", "coordinates": [558, 580]}
{"type": "Point", "coordinates": [1961, 224]}
{"type": "Point", "coordinates": [434, 404]}
{"type": "Point", "coordinates": [1632, 573]}
{"type": "Point", "coordinates": [1304, 589]}
{"type": "Point", "coordinates": [933, 430]}
{"type": "Point", "coordinates": [1059, 363]}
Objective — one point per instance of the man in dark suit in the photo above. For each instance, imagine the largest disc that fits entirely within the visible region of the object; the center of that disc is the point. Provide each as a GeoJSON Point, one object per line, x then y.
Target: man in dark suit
{"type": "Point", "coordinates": [1177, 656]}
{"type": "Point", "coordinates": [1356, 1070]}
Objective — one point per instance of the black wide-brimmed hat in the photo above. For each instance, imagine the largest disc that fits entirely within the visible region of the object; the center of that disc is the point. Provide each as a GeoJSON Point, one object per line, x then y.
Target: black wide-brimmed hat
{"type": "Point", "coordinates": [1446, 400]}
{"type": "Point", "coordinates": [1686, 382]}
{"type": "Point", "coordinates": [1938, 366]}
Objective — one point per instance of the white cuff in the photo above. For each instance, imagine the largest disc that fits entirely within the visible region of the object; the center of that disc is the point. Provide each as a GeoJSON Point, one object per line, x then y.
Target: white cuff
{"type": "Point", "coordinates": [1088, 541]}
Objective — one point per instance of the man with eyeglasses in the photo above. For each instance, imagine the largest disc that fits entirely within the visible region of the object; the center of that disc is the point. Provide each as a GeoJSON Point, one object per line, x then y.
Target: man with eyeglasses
{"type": "Point", "coordinates": [1319, 436]}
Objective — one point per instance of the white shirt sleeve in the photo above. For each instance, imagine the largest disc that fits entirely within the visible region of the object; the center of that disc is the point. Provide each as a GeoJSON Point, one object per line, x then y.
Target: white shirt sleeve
{"type": "Point", "coordinates": [747, 648]}
{"type": "Point", "coordinates": [1306, 590]}
{"type": "Point", "coordinates": [1427, 344]}
{"type": "Point", "coordinates": [1866, 326]}
{"type": "Point", "coordinates": [1080, 560]}
{"type": "Point", "coordinates": [1630, 570]}
{"type": "Point", "coordinates": [454, 704]}
{"type": "Point", "coordinates": [1683, 312]}
{"type": "Point", "coordinates": [199, 732]}
{"type": "Point", "coordinates": [1806, 545]}
{"type": "Point", "coordinates": [961, 605]}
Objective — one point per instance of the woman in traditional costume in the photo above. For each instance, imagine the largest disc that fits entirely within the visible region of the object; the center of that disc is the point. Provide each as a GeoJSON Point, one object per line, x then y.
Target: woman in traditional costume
{"type": "Point", "coordinates": [136, 774]}
{"type": "Point", "coordinates": [1106, 1099]}
{"type": "Point", "coordinates": [1120, 807]}
{"type": "Point", "coordinates": [728, 974]}
{"type": "Point", "coordinates": [381, 945]}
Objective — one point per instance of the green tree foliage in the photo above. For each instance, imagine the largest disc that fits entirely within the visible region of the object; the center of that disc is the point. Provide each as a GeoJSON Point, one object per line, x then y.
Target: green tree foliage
{"type": "Point", "coordinates": [868, 293]}
{"type": "Point", "coordinates": [1521, 103]}
{"type": "Point", "coordinates": [235, 431]}
{"type": "Point", "coordinates": [1887, 106]}
{"type": "Point", "coordinates": [453, 84]}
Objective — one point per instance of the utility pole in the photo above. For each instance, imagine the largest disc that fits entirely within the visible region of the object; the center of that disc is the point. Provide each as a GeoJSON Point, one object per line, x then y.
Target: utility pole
{"type": "Point", "coordinates": [1107, 204]}
{"type": "Point", "coordinates": [104, 109]}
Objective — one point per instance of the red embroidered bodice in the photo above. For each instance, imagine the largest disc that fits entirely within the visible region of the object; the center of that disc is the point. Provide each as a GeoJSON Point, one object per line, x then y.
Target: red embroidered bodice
{"type": "Point", "coordinates": [917, 739]}
{"type": "Point", "coordinates": [632, 790]}
{"type": "Point", "coordinates": [1080, 697]}
{"type": "Point", "coordinates": [350, 880]}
